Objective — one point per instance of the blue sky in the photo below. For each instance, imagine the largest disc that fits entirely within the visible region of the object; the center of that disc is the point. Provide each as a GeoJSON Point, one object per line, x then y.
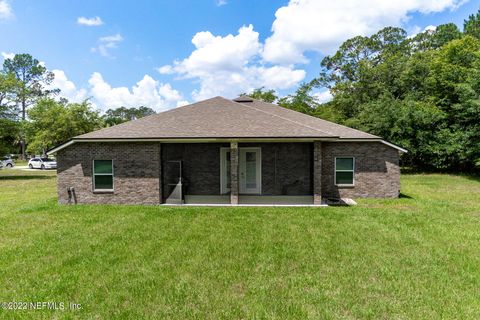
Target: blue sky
{"type": "Point", "coordinates": [167, 53]}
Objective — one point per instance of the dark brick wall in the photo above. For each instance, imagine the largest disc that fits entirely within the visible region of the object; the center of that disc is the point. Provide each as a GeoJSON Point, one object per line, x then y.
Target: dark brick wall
{"type": "Point", "coordinates": [286, 168]}
{"type": "Point", "coordinates": [317, 172]}
{"type": "Point", "coordinates": [377, 172]}
{"type": "Point", "coordinates": [136, 166]}
{"type": "Point", "coordinates": [201, 166]}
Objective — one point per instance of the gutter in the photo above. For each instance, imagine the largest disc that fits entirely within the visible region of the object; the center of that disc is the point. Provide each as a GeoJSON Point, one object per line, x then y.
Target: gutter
{"type": "Point", "coordinates": [226, 139]}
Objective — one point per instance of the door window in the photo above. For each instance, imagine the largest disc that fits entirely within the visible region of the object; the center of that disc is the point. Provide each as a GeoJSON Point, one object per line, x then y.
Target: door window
{"type": "Point", "coordinates": [225, 170]}
{"type": "Point", "coordinates": [250, 170]}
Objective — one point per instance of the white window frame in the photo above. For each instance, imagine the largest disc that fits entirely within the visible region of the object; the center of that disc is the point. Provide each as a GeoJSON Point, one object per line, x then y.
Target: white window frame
{"type": "Point", "coordinates": [102, 174]}
{"type": "Point", "coordinates": [335, 172]}
{"type": "Point", "coordinates": [223, 170]}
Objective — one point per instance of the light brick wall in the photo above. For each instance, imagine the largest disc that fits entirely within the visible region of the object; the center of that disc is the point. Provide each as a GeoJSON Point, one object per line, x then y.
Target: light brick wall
{"type": "Point", "coordinates": [136, 167]}
{"type": "Point", "coordinates": [377, 171]}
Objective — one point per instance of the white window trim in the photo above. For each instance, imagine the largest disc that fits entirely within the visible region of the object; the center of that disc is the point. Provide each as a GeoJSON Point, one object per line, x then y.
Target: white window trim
{"type": "Point", "coordinates": [102, 174]}
{"type": "Point", "coordinates": [223, 170]}
{"type": "Point", "coordinates": [335, 172]}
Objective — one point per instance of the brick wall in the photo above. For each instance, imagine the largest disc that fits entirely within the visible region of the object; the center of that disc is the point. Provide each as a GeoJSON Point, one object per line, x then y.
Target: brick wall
{"type": "Point", "coordinates": [286, 169]}
{"type": "Point", "coordinates": [136, 167]}
{"type": "Point", "coordinates": [201, 166]}
{"type": "Point", "coordinates": [377, 172]}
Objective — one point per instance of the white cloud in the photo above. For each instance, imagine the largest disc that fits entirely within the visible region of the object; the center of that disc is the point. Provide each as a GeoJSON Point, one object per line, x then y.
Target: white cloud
{"type": "Point", "coordinates": [322, 25]}
{"type": "Point", "coordinates": [216, 52]}
{"type": "Point", "coordinates": [230, 65]}
{"type": "Point", "coordinates": [6, 11]}
{"type": "Point", "coordinates": [7, 55]}
{"type": "Point", "coordinates": [416, 30]}
{"type": "Point", "coordinates": [221, 2]}
{"type": "Point", "coordinates": [167, 69]}
{"type": "Point", "coordinates": [90, 22]}
{"type": "Point", "coordinates": [67, 87]}
{"type": "Point", "coordinates": [107, 43]}
{"type": "Point", "coordinates": [147, 92]}
{"type": "Point", "coordinates": [323, 96]}
{"type": "Point", "coordinates": [168, 93]}
{"type": "Point", "coordinates": [182, 103]}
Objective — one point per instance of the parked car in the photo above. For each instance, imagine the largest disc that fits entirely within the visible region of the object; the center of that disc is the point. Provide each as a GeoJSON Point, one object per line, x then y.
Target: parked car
{"type": "Point", "coordinates": [7, 162]}
{"type": "Point", "coordinates": [42, 163]}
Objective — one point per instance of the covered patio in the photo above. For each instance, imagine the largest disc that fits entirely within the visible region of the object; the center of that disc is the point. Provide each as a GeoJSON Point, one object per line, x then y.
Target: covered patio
{"type": "Point", "coordinates": [241, 173]}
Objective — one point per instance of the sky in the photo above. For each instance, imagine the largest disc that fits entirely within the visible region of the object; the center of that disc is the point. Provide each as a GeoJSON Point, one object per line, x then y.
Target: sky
{"type": "Point", "coordinates": [163, 54]}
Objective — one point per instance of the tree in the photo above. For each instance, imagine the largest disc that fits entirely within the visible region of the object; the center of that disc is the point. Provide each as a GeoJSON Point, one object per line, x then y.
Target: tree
{"type": "Point", "coordinates": [54, 122]}
{"type": "Point", "coordinates": [445, 33]}
{"type": "Point", "coordinates": [300, 101]}
{"type": "Point", "coordinates": [9, 127]}
{"type": "Point", "coordinates": [33, 78]}
{"type": "Point", "coordinates": [119, 115]}
{"type": "Point", "coordinates": [262, 94]}
{"type": "Point", "coordinates": [8, 87]}
{"type": "Point", "coordinates": [9, 133]}
{"type": "Point", "coordinates": [454, 84]}
{"type": "Point", "coordinates": [471, 26]}
{"type": "Point", "coordinates": [434, 39]}
{"type": "Point", "coordinates": [422, 93]}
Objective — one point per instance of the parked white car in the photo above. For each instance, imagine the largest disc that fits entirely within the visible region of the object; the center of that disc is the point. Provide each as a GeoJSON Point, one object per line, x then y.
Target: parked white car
{"type": "Point", "coordinates": [42, 163]}
{"type": "Point", "coordinates": [6, 162]}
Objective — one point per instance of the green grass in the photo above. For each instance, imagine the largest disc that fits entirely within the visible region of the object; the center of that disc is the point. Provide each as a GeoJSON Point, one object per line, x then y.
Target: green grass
{"type": "Point", "coordinates": [19, 162]}
{"type": "Point", "coordinates": [414, 257]}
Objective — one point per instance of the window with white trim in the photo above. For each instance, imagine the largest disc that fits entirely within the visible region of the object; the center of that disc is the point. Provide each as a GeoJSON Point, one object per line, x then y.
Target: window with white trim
{"type": "Point", "coordinates": [102, 175]}
{"type": "Point", "coordinates": [344, 171]}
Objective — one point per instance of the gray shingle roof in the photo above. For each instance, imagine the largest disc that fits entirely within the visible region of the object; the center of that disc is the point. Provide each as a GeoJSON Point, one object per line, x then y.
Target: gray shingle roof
{"type": "Point", "coordinates": [306, 120]}
{"type": "Point", "coordinates": [222, 118]}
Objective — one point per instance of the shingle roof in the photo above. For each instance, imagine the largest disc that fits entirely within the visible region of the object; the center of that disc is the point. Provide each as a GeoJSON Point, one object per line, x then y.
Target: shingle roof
{"type": "Point", "coordinates": [222, 118]}
{"type": "Point", "coordinates": [331, 128]}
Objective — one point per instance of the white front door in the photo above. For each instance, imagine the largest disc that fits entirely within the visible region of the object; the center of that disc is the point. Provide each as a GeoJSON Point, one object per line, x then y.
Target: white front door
{"type": "Point", "coordinates": [250, 169]}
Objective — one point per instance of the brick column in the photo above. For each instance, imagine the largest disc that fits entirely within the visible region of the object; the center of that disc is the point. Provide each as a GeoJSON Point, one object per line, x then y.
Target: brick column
{"type": "Point", "coordinates": [234, 173]}
{"type": "Point", "coordinates": [317, 172]}
{"type": "Point", "coordinates": [160, 180]}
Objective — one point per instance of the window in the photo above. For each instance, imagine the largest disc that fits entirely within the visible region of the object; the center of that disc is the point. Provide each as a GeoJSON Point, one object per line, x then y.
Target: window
{"type": "Point", "coordinates": [102, 175]}
{"type": "Point", "coordinates": [344, 171]}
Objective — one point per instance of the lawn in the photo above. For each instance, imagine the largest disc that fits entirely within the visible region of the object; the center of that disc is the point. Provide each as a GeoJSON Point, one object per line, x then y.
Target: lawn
{"type": "Point", "coordinates": [413, 257]}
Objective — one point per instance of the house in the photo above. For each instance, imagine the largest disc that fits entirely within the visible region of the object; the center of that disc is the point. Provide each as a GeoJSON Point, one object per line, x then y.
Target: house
{"type": "Point", "coordinates": [221, 151]}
